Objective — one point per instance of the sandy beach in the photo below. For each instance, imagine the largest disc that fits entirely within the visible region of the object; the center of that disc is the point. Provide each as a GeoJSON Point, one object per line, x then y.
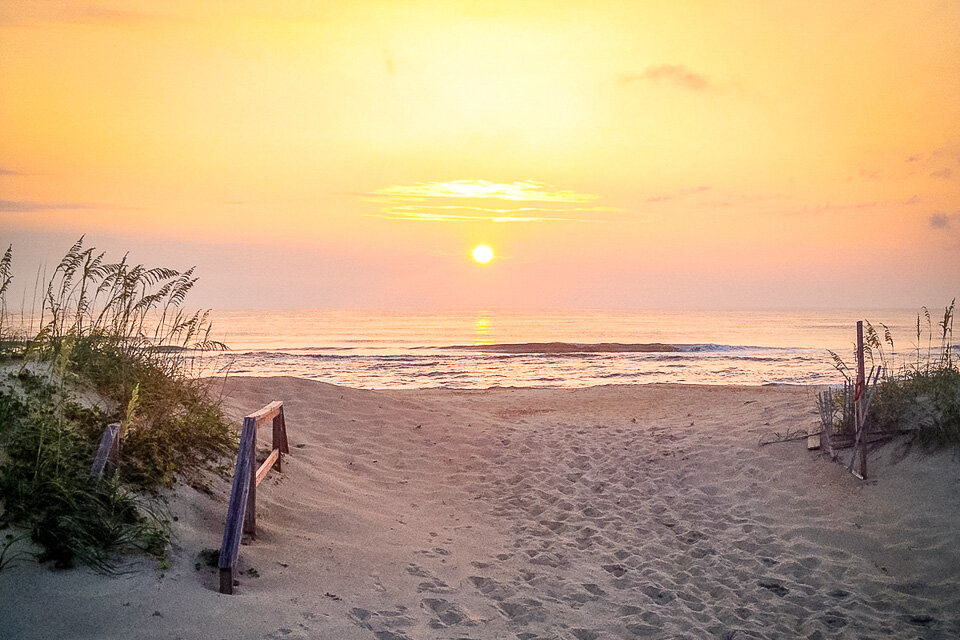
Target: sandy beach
{"type": "Point", "coordinates": [609, 512]}
{"type": "Point", "coordinates": [547, 290]}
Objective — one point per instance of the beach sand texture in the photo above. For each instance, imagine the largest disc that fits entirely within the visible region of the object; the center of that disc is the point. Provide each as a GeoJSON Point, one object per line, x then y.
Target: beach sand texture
{"type": "Point", "coordinates": [609, 512]}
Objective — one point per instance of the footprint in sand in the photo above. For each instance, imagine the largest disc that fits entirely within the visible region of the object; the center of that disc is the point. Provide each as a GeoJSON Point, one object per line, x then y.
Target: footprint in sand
{"type": "Point", "coordinates": [386, 620]}
{"type": "Point", "coordinates": [523, 612]}
{"type": "Point", "coordinates": [447, 613]}
{"type": "Point", "coordinates": [416, 570]}
{"type": "Point", "coordinates": [491, 588]}
{"type": "Point", "coordinates": [434, 585]}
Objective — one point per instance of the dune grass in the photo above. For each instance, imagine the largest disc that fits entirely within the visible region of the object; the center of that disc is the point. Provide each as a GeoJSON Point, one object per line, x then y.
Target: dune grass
{"type": "Point", "coordinates": [918, 390]}
{"type": "Point", "coordinates": [48, 490]}
{"type": "Point", "coordinates": [121, 330]}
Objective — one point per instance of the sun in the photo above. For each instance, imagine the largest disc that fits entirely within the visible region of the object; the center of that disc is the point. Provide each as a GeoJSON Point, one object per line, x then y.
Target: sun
{"type": "Point", "coordinates": [482, 254]}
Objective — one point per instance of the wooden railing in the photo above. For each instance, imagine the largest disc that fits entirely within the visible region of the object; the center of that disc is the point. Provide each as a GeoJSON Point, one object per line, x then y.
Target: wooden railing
{"type": "Point", "coordinates": [242, 509]}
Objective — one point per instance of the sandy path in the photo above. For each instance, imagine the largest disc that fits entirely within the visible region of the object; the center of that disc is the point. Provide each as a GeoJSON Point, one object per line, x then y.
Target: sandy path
{"type": "Point", "coordinates": [611, 512]}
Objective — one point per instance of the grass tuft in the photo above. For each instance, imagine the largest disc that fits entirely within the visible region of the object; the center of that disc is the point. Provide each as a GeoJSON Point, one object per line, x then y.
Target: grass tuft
{"type": "Point", "coordinates": [121, 329]}
{"type": "Point", "coordinates": [48, 490]}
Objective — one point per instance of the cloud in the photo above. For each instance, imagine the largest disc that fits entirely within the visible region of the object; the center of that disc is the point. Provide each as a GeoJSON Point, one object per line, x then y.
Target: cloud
{"type": "Point", "coordinates": [453, 212]}
{"type": "Point", "coordinates": [676, 74]}
{"type": "Point", "coordinates": [427, 216]}
{"type": "Point", "coordinates": [939, 163]}
{"type": "Point", "coordinates": [8, 172]}
{"type": "Point", "coordinates": [482, 200]}
{"type": "Point", "coordinates": [520, 191]}
{"type": "Point", "coordinates": [29, 206]}
{"type": "Point", "coordinates": [943, 220]}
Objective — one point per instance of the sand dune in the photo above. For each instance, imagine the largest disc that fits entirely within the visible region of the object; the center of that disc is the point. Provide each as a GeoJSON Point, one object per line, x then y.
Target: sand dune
{"type": "Point", "coordinates": [609, 512]}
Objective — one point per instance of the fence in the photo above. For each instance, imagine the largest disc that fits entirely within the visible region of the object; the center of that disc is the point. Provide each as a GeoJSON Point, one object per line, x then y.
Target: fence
{"type": "Point", "coordinates": [242, 509]}
{"type": "Point", "coordinates": [852, 404]}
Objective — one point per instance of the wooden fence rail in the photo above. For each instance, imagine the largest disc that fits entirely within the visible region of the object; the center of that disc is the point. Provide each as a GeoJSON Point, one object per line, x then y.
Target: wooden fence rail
{"type": "Point", "coordinates": [242, 508]}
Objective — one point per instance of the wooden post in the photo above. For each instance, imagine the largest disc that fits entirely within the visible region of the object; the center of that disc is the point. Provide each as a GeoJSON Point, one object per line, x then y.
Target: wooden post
{"type": "Point", "coordinates": [250, 513]}
{"type": "Point", "coordinates": [108, 450]}
{"type": "Point", "coordinates": [858, 400]}
{"type": "Point", "coordinates": [239, 503]}
{"type": "Point", "coordinates": [226, 580]}
{"type": "Point", "coordinates": [242, 510]}
{"type": "Point", "coordinates": [280, 437]}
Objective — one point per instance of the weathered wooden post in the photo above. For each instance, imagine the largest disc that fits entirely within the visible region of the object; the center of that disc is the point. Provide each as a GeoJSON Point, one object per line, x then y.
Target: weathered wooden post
{"type": "Point", "coordinates": [250, 512]}
{"type": "Point", "coordinates": [858, 399]}
{"type": "Point", "coordinates": [236, 518]}
{"type": "Point", "coordinates": [280, 437]}
{"type": "Point", "coordinates": [241, 511]}
{"type": "Point", "coordinates": [108, 450]}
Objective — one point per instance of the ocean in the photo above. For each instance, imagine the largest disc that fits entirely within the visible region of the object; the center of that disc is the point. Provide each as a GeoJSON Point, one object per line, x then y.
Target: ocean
{"type": "Point", "coordinates": [481, 349]}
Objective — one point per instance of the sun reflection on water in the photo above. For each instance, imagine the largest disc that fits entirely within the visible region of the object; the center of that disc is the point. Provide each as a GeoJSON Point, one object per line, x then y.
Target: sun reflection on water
{"type": "Point", "coordinates": [481, 329]}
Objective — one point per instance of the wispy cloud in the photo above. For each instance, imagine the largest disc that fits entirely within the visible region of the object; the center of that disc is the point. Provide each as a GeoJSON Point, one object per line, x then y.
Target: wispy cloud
{"type": "Point", "coordinates": [30, 206]}
{"type": "Point", "coordinates": [8, 172]}
{"type": "Point", "coordinates": [482, 200]}
{"type": "Point", "coordinates": [452, 207]}
{"type": "Point", "coordinates": [946, 226]}
{"type": "Point", "coordinates": [521, 191]}
{"type": "Point", "coordinates": [944, 220]}
{"type": "Point", "coordinates": [676, 74]}
{"type": "Point", "coordinates": [426, 216]}
{"type": "Point", "coordinates": [940, 163]}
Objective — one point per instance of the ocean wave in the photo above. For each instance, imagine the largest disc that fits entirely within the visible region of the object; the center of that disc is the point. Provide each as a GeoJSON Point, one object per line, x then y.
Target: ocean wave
{"type": "Point", "coordinates": [285, 355]}
{"type": "Point", "coordinates": [721, 348]}
{"type": "Point", "coordinates": [560, 348]}
{"type": "Point", "coordinates": [566, 347]}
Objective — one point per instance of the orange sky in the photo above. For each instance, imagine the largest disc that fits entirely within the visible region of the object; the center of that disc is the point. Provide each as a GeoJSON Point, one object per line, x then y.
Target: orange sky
{"type": "Point", "coordinates": [614, 154]}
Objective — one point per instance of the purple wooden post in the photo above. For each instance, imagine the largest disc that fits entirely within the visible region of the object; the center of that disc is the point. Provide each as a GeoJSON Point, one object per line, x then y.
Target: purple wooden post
{"type": "Point", "coordinates": [250, 513]}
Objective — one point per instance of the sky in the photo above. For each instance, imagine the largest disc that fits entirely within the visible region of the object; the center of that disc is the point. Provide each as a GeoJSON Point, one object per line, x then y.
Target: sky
{"type": "Point", "coordinates": [613, 155]}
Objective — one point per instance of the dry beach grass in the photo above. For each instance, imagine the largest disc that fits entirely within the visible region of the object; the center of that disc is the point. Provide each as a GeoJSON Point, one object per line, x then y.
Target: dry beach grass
{"type": "Point", "coordinates": [608, 512]}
